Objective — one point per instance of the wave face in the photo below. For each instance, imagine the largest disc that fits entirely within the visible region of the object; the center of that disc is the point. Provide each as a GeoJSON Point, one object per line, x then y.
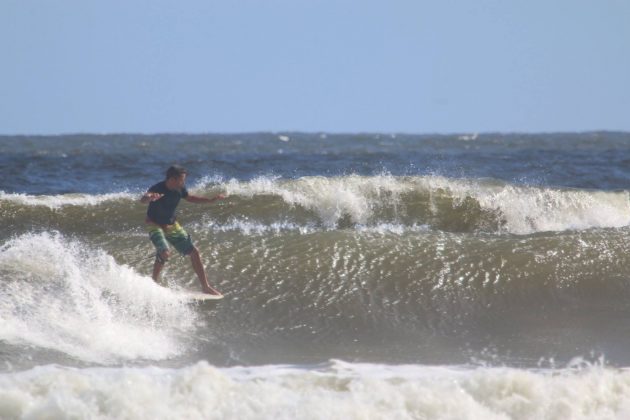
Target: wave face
{"type": "Point", "coordinates": [350, 278]}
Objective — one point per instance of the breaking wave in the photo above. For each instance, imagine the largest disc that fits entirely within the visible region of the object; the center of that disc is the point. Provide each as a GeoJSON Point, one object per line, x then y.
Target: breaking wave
{"type": "Point", "coordinates": [445, 204]}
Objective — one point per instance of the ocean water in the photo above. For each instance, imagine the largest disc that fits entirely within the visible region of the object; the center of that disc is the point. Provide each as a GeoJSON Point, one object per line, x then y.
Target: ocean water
{"type": "Point", "coordinates": [365, 276]}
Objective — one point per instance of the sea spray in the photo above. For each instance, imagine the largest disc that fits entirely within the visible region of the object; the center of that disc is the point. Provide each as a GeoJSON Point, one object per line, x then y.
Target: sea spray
{"type": "Point", "coordinates": [62, 295]}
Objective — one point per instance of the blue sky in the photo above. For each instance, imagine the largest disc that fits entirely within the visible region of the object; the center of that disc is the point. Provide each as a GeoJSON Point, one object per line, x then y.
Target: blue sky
{"type": "Point", "coordinates": [314, 65]}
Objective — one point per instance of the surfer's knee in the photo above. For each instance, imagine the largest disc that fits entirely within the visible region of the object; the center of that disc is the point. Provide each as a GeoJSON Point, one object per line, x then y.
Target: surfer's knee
{"type": "Point", "coordinates": [194, 254]}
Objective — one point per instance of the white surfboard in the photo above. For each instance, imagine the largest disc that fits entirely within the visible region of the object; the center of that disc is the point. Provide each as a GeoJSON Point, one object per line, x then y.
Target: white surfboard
{"type": "Point", "coordinates": [190, 295]}
{"type": "Point", "coordinates": [199, 296]}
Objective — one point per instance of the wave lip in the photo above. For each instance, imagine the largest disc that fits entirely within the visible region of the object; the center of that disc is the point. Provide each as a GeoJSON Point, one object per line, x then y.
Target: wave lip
{"type": "Point", "coordinates": [330, 198]}
{"type": "Point", "coordinates": [526, 210]}
{"type": "Point", "coordinates": [60, 295]}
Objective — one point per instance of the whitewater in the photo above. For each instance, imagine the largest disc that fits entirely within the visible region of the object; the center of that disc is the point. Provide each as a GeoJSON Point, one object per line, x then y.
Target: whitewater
{"type": "Point", "coordinates": [365, 276]}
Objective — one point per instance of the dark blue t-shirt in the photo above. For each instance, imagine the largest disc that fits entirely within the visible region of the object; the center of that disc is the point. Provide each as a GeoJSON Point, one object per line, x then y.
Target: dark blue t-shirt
{"type": "Point", "coordinates": [162, 211]}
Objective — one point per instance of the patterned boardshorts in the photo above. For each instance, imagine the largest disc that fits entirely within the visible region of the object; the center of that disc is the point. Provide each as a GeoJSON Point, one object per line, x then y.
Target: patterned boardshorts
{"type": "Point", "coordinates": [173, 234]}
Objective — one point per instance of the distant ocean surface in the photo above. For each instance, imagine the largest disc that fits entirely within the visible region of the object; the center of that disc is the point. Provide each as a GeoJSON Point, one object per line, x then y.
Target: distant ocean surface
{"type": "Point", "coordinates": [365, 276]}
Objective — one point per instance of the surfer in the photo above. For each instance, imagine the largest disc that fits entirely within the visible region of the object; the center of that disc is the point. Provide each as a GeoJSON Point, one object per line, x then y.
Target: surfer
{"type": "Point", "coordinates": [163, 199]}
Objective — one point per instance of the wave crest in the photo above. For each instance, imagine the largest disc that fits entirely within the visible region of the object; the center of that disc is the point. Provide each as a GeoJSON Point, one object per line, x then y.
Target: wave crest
{"type": "Point", "coordinates": [445, 204]}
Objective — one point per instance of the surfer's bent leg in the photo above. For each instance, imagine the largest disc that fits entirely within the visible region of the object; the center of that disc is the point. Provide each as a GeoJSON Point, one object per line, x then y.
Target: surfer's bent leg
{"type": "Point", "coordinates": [159, 241]}
{"type": "Point", "coordinates": [156, 234]}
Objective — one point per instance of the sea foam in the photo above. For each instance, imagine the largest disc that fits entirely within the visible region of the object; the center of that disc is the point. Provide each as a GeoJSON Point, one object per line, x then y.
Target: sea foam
{"type": "Point", "coordinates": [62, 200]}
{"type": "Point", "coordinates": [336, 390]}
{"type": "Point", "coordinates": [61, 295]}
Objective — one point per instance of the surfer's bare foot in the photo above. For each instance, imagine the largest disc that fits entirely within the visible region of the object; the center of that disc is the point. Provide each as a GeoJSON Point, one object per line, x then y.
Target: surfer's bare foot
{"type": "Point", "coordinates": [211, 291]}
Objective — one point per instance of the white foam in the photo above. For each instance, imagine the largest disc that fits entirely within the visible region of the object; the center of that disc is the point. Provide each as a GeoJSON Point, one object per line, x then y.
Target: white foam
{"type": "Point", "coordinates": [468, 137]}
{"type": "Point", "coordinates": [253, 228]}
{"type": "Point", "coordinates": [207, 181]}
{"type": "Point", "coordinates": [527, 209]}
{"type": "Point", "coordinates": [330, 198]}
{"type": "Point", "coordinates": [392, 228]}
{"type": "Point", "coordinates": [523, 209]}
{"type": "Point", "coordinates": [337, 390]}
{"type": "Point", "coordinates": [62, 200]}
{"type": "Point", "coordinates": [59, 294]}
{"type": "Point", "coordinates": [248, 227]}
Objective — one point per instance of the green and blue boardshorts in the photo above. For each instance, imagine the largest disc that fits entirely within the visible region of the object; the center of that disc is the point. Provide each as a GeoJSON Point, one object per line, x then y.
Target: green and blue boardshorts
{"type": "Point", "coordinates": [174, 234]}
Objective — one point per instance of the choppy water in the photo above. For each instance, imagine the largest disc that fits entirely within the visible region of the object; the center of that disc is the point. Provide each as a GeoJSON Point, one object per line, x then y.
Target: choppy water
{"type": "Point", "coordinates": [477, 266]}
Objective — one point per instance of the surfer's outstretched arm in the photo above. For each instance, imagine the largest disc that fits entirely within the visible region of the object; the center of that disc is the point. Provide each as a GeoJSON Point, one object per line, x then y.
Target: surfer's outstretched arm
{"type": "Point", "coordinates": [196, 199]}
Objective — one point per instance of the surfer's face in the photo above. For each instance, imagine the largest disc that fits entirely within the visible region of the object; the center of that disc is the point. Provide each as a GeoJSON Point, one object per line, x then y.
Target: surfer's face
{"type": "Point", "coordinates": [176, 183]}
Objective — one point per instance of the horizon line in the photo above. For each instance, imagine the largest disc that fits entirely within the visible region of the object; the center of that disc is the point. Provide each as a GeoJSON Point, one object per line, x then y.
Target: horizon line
{"type": "Point", "coordinates": [319, 132]}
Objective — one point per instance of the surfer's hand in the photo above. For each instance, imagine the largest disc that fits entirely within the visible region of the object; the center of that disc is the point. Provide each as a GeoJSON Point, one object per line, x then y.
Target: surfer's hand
{"type": "Point", "coordinates": [150, 196]}
{"type": "Point", "coordinates": [154, 196]}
